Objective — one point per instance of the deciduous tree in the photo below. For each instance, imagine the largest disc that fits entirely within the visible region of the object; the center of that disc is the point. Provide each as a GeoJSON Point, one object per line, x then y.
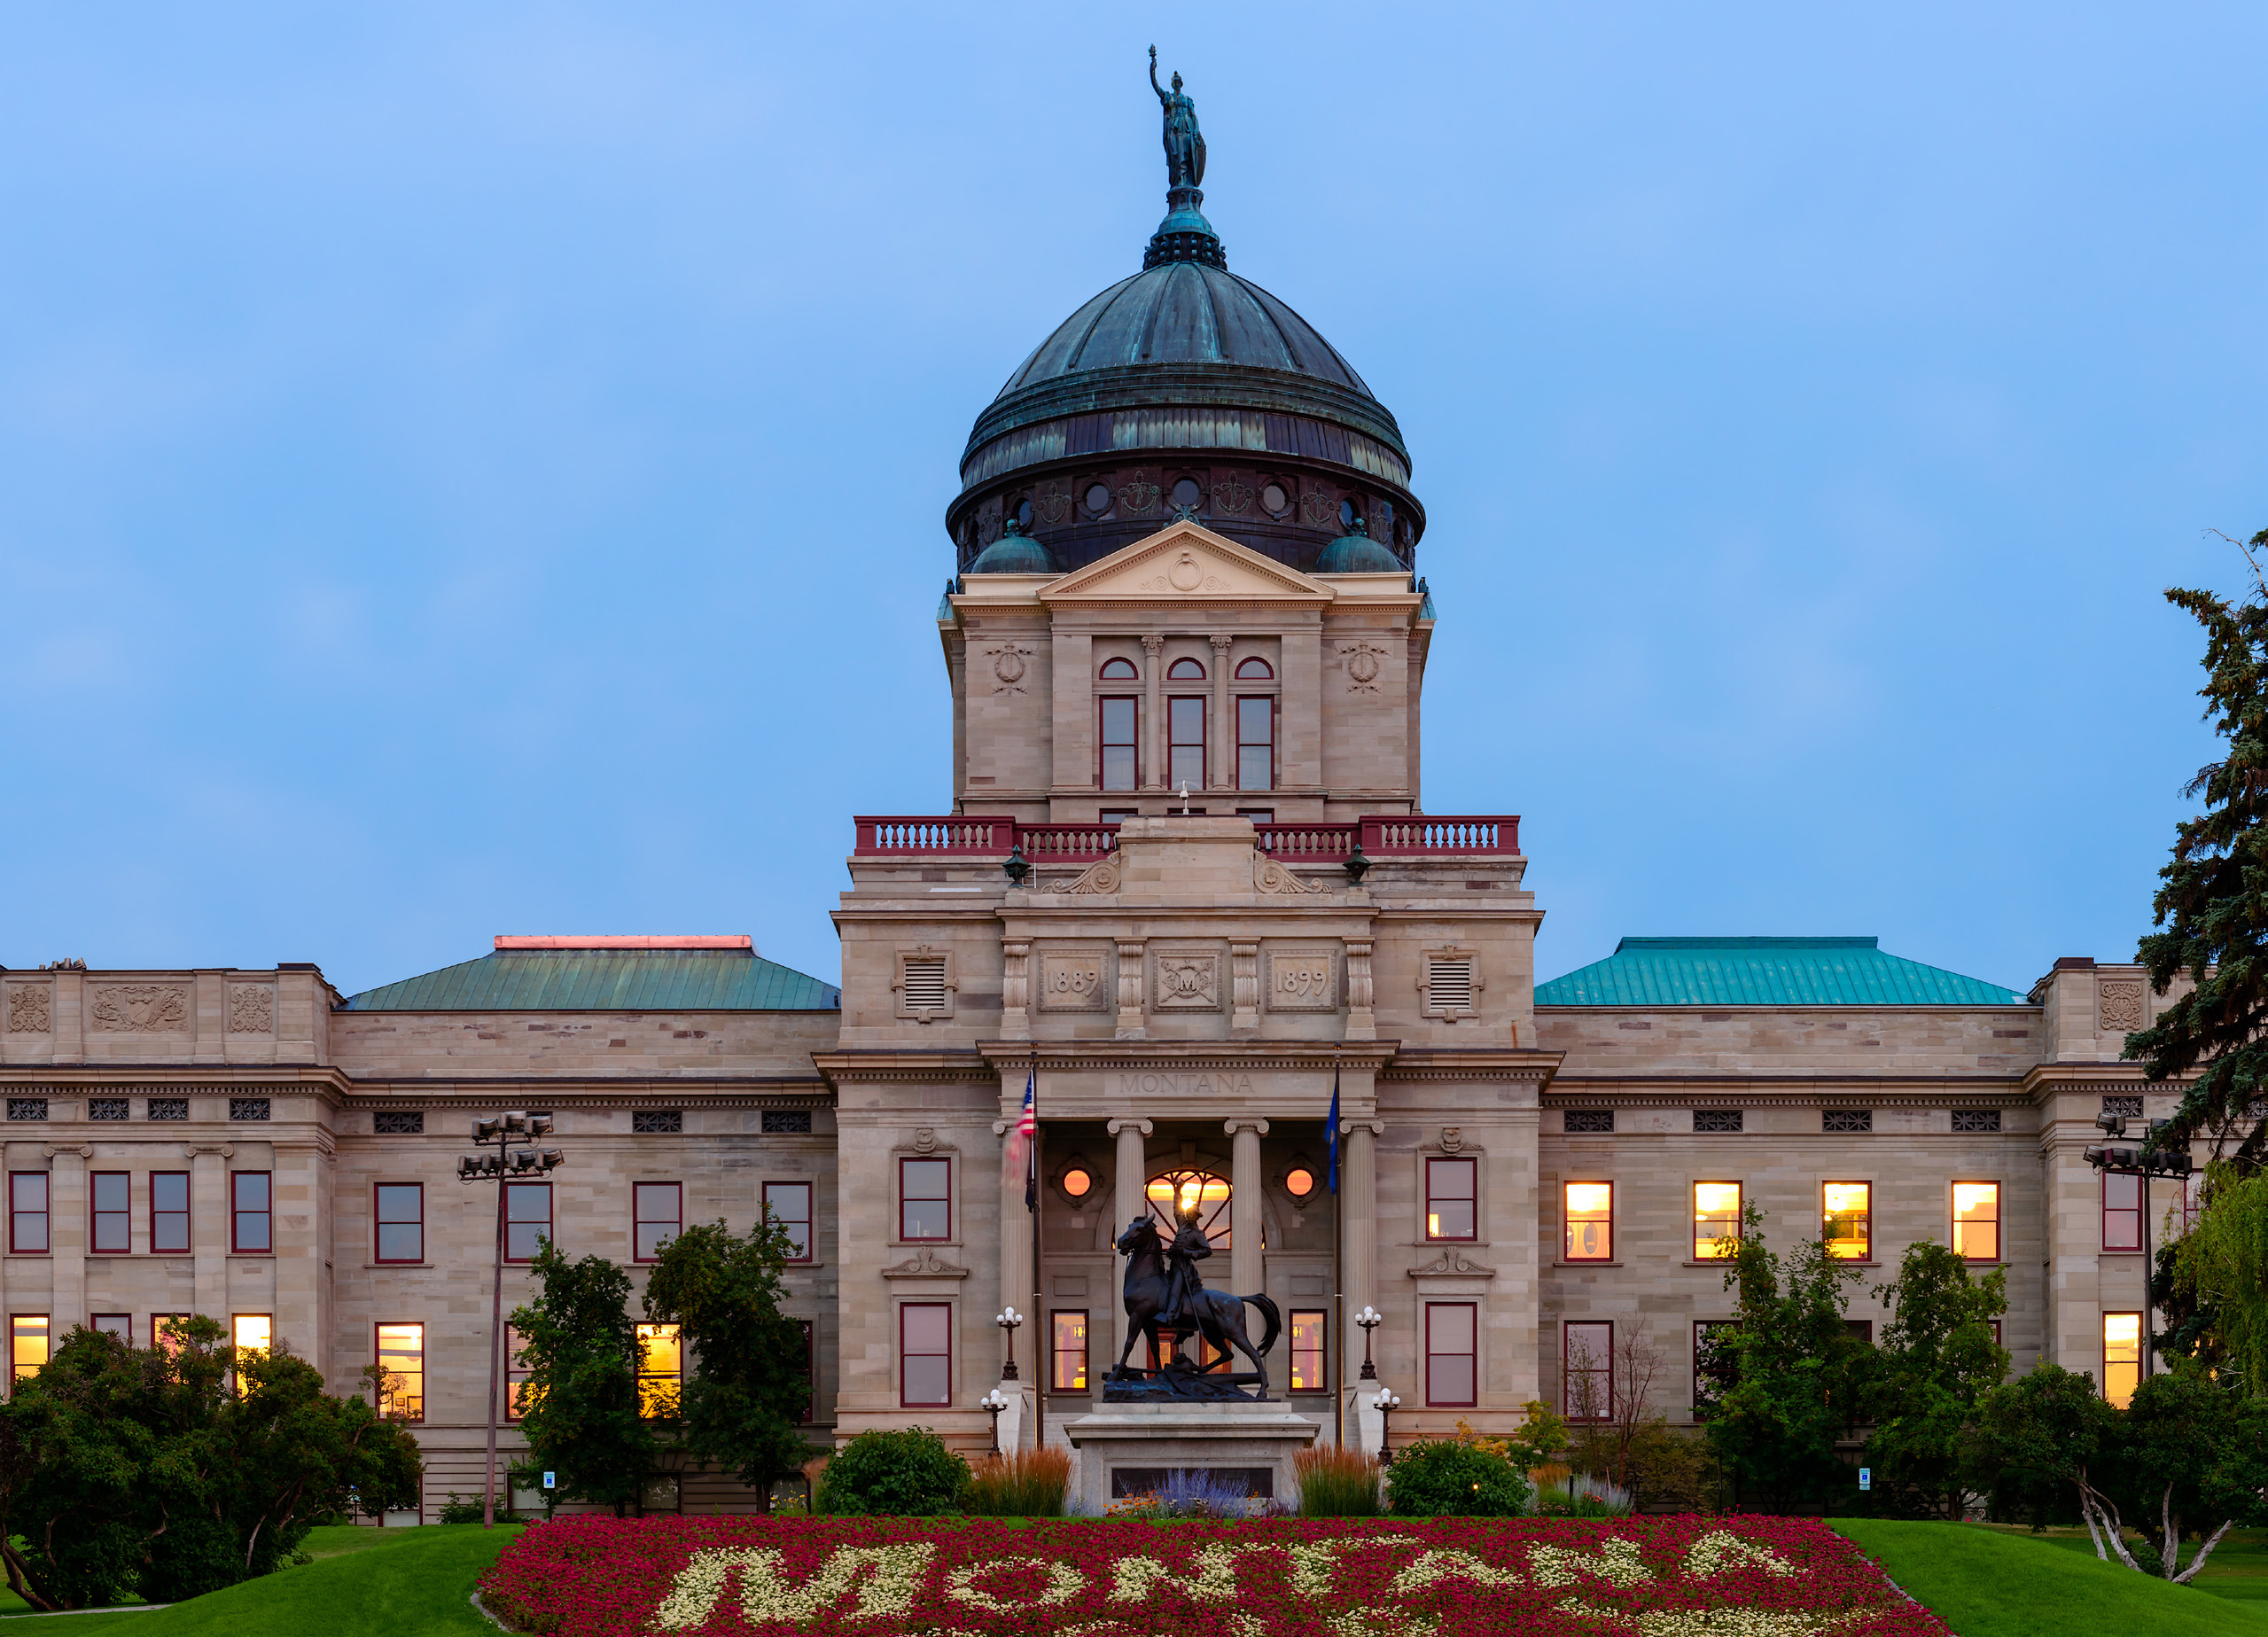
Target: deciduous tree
{"type": "Point", "coordinates": [1935, 1362]}
{"type": "Point", "coordinates": [580, 1409]}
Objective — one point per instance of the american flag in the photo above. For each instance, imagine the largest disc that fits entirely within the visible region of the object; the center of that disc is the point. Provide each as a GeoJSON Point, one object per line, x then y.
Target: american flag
{"type": "Point", "coordinates": [1023, 1151]}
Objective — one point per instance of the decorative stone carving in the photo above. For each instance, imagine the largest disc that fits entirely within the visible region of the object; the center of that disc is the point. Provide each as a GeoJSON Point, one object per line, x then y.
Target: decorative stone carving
{"type": "Point", "coordinates": [1099, 876]}
{"type": "Point", "coordinates": [1070, 980]}
{"type": "Point", "coordinates": [1187, 983]}
{"type": "Point", "coordinates": [1244, 976]}
{"type": "Point", "coordinates": [1452, 1138]}
{"type": "Point", "coordinates": [1362, 666]}
{"type": "Point", "coordinates": [1011, 663]}
{"type": "Point", "coordinates": [252, 1008]}
{"type": "Point", "coordinates": [139, 1008]}
{"type": "Point", "coordinates": [1317, 508]}
{"type": "Point", "coordinates": [1138, 494]}
{"type": "Point", "coordinates": [1015, 987]}
{"type": "Point", "coordinates": [924, 1138]}
{"type": "Point", "coordinates": [1052, 503]}
{"type": "Point", "coordinates": [1230, 497]}
{"type": "Point", "coordinates": [1453, 1264]}
{"type": "Point", "coordinates": [1303, 981]}
{"type": "Point", "coordinates": [924, 1264]}
{"type": "Point", "coordinates": [1187, 575]}
{"type": "Point", "coordinates": [1270, 877]}
{"type": "Point", "coordinates": [1130, 1014]}
{"type": "Point", "coordinates": [28, 1012]}
{"type": "Point", "coordinates": [1358, 995]}
{"type": "Point", "coordinates": [2122, 1003]}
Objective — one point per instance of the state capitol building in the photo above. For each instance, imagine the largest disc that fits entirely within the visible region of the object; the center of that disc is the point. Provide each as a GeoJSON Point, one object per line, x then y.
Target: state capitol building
{"type": "Point", "coordinates": [1185, 881]}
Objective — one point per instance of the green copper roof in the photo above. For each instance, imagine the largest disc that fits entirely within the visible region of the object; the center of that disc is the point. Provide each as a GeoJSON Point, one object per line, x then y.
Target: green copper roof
{"type": "Point", "coordinates": [1765, 972]}
{"type": "Point", "coordinates": [586, 980]}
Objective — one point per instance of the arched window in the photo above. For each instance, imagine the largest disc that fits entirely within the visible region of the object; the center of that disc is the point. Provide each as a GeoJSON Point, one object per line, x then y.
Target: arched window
{"type": "Point", "coordinates": [1207, 1192]}
{"type": "Point", "coordinates": [1118, 670]}
{"type": "Point", "coordinates": [1255, 671]}
{"type": "Point", "coordinates": [1186, 671]}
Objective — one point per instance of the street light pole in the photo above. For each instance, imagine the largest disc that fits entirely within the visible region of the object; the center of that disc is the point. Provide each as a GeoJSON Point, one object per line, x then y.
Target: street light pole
{"type": "Point", "coordinates": [2141, 1164]}
{"type": "Point", "coordinates": [502, 1130]}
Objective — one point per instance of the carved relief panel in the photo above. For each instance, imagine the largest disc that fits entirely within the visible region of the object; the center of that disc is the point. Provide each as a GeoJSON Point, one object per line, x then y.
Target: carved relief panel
{"type": "Point", "coordinates": [139, 1008]}
{"type": "Point", "coordinates": [1302, 979]}
{"type": "Point", "coordinates": [2121, 1004]}
{"type": "Point", "coordinates": [1185, 980]}
{"type": "Point", "coordinates": [1072, 979]}
{"type": "Point", "coordinates": [28, 1009]}
{"type": "Point", "coordinates": [252, 1008]}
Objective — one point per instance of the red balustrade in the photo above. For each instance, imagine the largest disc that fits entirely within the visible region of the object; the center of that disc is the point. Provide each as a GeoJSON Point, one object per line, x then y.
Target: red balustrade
{"type": "Point", "coordinates": [932, 837]}
{"type": "Point", "coordinates": [1427, 835]}
{"type": "Point", "coordinates": [1417, 835]}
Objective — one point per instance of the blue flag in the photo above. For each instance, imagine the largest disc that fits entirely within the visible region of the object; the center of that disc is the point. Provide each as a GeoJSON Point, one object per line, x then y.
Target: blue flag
{"type": "Point", "coordinates": [1331, 1138]}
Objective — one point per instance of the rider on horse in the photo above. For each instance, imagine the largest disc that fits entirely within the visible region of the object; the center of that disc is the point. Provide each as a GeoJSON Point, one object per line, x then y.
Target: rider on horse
{"type": "Point", "coordinates": [1190, 1247]}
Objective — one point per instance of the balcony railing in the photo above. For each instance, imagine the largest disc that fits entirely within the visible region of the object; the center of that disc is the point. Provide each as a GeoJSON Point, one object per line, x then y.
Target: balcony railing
{"type": "Point", "coordinates": [1419, 835]}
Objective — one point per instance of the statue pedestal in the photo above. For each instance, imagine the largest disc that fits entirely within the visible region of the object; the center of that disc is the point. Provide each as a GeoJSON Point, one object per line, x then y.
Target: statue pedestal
{"type": "Point", "coordinates": [1127, 1448]}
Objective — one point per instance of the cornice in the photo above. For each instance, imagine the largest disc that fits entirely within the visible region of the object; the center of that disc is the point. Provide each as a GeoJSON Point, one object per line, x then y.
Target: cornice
{"type": "Point", "coordinates": [595, 1097]}
{"type": "Point", "coordinates": [2047, 1079]}
{"type": "Point", "coordinates": [1473, 1063]}
{"type": "Point", "coordinates": [1190, 1057]}
{"type": "Point", "coordinates": [886, 1065]}
{"type": "Point", "coordinates": [174, 1080]}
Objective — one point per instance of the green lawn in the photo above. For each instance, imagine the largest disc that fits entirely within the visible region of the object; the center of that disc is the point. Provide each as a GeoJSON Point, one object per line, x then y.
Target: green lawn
{"type": "Point", "coordinates": [364, 1583]}
{"type": "Point", "coordinates": [2007, 1582]}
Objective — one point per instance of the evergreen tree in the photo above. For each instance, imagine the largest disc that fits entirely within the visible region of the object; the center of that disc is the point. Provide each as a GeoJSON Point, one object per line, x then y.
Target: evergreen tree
{"type": "Point", "coordinates": [580, 1409]}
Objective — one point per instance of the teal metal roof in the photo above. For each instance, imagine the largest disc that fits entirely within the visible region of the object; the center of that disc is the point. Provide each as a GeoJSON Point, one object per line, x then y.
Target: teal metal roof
{"type": "Point", "coordinates": [1765, 972]}
{"type": "Point", "coordinates": [607, 980]}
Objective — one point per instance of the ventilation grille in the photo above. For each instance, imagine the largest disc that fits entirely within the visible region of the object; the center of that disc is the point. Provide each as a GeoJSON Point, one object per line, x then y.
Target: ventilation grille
{"type": "Point", "coordinates": [1718, 1119]}
{"type": "Point", "coordinates": [2131, 1107]}
{"type": "Point", "coordinates": [787, 1122]}
{"type": "Point", "coordinates": [398, 1123]}
{"type": "Point", "coordinates": [247, 1108]}
{"type": "Point", "coordinates": [1594, 1121]}
{"type": "Point", "coordinates": [170, 1108]}
{"type": "Point", "coordinates": [658, 1122]}
{"type": "Point", "coordinates": [925, 985]}
{"type": "Point", "coordinates": [28, 1107]}
{"type": "Point", "coordinates": [1451, 985]}
{"type": "Point", "coordinates": [1976, 1119]}
{"type": "Point", "coordinates": [106, 1108]}
{"type": "Point", "coordinates": [1846, 1119]}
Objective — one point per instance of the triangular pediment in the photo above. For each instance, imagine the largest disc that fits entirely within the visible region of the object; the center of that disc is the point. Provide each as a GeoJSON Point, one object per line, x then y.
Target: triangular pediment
{"type": "Point", "coordinates": [1186, 563]}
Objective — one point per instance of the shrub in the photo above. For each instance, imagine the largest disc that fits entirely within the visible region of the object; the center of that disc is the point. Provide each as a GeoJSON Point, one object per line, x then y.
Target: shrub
{"type": "Point", "coordinates": [1031, 1482]}
{"type": "Point", "coordinates": [457, 1511]}
{"type": "Point", "coordinates": [1337, 1482]}
{"type": "Point", "coordinates": [1455, 1478]}
{"type": "Point", "coordinates": [906, 1474]}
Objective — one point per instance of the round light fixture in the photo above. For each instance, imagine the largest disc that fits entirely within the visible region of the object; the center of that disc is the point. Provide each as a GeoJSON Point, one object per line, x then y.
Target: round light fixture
{"type": "Point", "coordinates": [1079, 1181]}
{"type": "Point", "coordinates": [1299, 1182]}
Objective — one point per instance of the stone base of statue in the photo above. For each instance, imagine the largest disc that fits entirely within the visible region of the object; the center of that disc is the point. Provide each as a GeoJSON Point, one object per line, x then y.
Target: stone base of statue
{"type": "Point", "coordinates": [1127, 1449]}
{"type": "Point", "coordinates": [1183, 1382]}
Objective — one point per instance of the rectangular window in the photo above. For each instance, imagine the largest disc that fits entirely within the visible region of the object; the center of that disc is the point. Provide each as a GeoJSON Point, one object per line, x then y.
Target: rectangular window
{"type": "Point", "coordinates": [1716, 1219]}
{"type": "Point", "coordinates": [1449, 1186]}
{"type": "Point", "coordinates": [527, 1219]}
{"type": "Point", "coordinates": [1311, 1350]}
{"type": "Point", "coordinates": [110, 1213]}
{"type": "Point", "coordinates": [2122, 1356]}
{"type": "Point", "coordinates": [399, 1211]}
{"type": "Point", "coordinates": [252, 1332]}
{"type": "Point", "coordinates": [27, 1337]}
{"type": "Point", "coordinates": [1256, 743]}
{"type": "Point", "coordinates": [658, 1211]}
{"type": "Point", "coordinates": [1451, 1354]}
{"type": "Point", "coordinates": [1185, 743]}
{"type": "Point", "coordinates": [1588, 1392]}
{"type": "Point", "coordinates": [1069, 1374]}
{"type": "Point", "coordinates": [1590, 1221]}
{"type": "Point", "coordinates": [789, 1204]}
{"type": "Point", "coordinates": [118, 1324]}
{"type": "Point", "coordinates": [661, 1371]}
{"type": "Point", "coordinates": [1121, 766]}
{"type": "Point", "coordinates": [1862, 1330]}
{"type": "Point", "coordinates": [1976, 1221]}
{"type": "Point", "coordinates": [2122, 1212]}
{"type": "Point", "coordinates": [252, 1221]}
{"type": "Point", "coordinates": [1848, 1220]}
{"type": "Point", "coordinates": [516, 1375]}
{"type": "Point", "coordinates": [159, 1340]}
{"type": "Point", "coordinates": [27, 1213]}
{"type": "Point", "coordinates": [924, 1199]}
{"type": "Point", "coordinates": [1712, 1367]}
{"type": "Point", "coordinates": [169, 1213]}
{"type": "Point", "coordinates": [925, 1354]}
{"type": "Point", "coordinates": [402, 1364]}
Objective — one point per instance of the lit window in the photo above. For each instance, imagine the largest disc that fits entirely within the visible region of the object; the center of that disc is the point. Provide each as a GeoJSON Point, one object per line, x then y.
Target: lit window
{"type": "Point", "coordinates": [1118, 671]}
{"type": "Point", "coordinates": [2122, 1356]}
{"type": "Point", "coordinates": [1712, 1365]}
{"type": "Point", "coordinates": [1452, 1358]}
{"type": "Point", "coordinates": [2122, 1212]}
{"type": "Point", "coordinates": [251, 1213]}
{"type": "Point", "coordinates": [1976, 1221]}
{"type": "Point", "coordinates": [1256, 743]}
{"type": "Point", "coordinates": [925, 1354]}
{"type": "Point", "coordinates": [118, 1324]}
{"type": "Point", "coordinates": [1588, 1390]}
{"type": "Point", "coordinates": [527, 1219]}
{"type": "Point", "coordinates": [402, 1367]}
{"type": "Point", "coordinates": [1203, 1192]}
{"type": "Point", "coordinates": [110, 1212]}
{"type": "Point", "coordinates": [661, 1371]}
{"type": "Point", "coordinates": [400, 1218]}
{"type": "Point", "coordinates": [1185, 743]}
{"type": "Point", "coordinates": [1449, 1198]}
{"type": "Point", "coordinates": [27, 1213]}
{"type": "Point", "coordinates": [657, 1211]}
{"type": "Point", "coordinates": [158, 1339]}
{"type": "Point", "coordinates": [1311, 1345]}
{"type": "Point", "coordinates": [789, 1204]}
{"type": "Point", "coordinates": [1070, 1350]}
{"type": "Point", "coordinates": [1078, 1182]}
{"type": "Point", "coordinates": [1121, 766]}
{"type": "Point", "coordinates": [252, 1332]}
{"type": "Point", "coordinates": [1186, 671]}
{"type": "Point", "coordinates": [924, 1199]}
{"type": "Point", "coordinates": [1299, 1181]}
{"type": "Point", "coordinates": [28, 1338]}
{"type": "Point", "coordinates": [1849, 1220]}
{"type": "Point", "coordinates": [1254, 670]}
{"type": "Point", "coordinates": [519, 1396]}
{"type": "Point", "coordinates": [1590, 1221]}
{"type": "Point", "coordinates": [170, 1212]}
{"type": "Point", "coordinates": [1716, 1219]}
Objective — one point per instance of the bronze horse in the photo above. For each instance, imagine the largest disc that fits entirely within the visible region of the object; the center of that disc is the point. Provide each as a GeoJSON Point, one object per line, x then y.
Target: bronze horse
{"type": "Point", "coordinates": [1220, 1316]}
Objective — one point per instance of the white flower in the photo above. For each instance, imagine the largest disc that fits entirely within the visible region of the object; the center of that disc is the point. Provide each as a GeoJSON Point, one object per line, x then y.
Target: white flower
{"type": "Point", "coordinates": [766, 1596]}
{"type": "Point", "coordinates": [1720, 1549]}
{"type": "Point", "coordinates": [1432, 1568]}
{"type": "Point", "coordinates": [1617, 1564]}
{"type": "Point", "coordinates": [1063, 1584]}
{"type": "Point", "coordinates": [1311, 1561]}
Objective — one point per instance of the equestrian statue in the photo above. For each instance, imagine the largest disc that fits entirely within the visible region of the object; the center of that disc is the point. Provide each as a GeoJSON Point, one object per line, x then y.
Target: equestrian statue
{"type": "Point", "coordinates": [1164, 1291]}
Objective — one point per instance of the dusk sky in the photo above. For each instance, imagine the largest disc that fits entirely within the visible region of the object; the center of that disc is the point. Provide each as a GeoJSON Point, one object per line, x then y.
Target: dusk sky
{"type": "Point", "coordinates": [477, 470]}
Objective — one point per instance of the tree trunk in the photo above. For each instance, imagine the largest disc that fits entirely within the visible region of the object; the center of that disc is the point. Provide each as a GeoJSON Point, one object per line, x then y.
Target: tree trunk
{"type": "Point", "coordinates": [2204, 1550]}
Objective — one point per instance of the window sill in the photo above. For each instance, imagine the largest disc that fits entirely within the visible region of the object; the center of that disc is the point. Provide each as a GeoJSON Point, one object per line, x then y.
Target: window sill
{"type": "Point", "coordinates": [254, 1256]}
{"type": "Point", "coordinates": [1586, 1264]}
{"type": "Point", "coordinates": [411, 1264]}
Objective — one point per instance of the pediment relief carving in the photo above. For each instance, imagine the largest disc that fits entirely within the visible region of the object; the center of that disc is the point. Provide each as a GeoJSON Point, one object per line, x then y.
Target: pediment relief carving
{"type": "Point", "coordinates": [1269, 875]}
{"type": "Point", "coordinates": [1185, 562]}
{"type": "Point", "coordinates": [1453, 1264]}
{"type": "Point", "coordinates": [924, 1264]}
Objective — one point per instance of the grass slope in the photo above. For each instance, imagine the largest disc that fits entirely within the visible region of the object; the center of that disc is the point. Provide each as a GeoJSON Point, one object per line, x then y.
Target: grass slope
{"type": "Point", "coordinates": [1988, 1584]}
{"type": "Point", "coordinates": [364, 1583]}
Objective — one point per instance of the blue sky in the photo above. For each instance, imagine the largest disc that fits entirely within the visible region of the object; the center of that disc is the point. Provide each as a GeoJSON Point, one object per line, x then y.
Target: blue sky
{"type": "Point", "coordinates": [478, 470]}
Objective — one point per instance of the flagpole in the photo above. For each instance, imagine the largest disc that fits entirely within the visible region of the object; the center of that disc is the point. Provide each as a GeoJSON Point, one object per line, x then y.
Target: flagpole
{"type": "Point", "coordinates": [1043, 1351]}
{"type": "Point", "coordinates": [1338, 1241]}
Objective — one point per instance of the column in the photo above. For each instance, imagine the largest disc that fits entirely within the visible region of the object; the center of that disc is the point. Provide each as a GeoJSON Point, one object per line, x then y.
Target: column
{"type": "Point", "coordinates": [1223, 754]}
{"type": "Point", "coordinates": [1245, 1184]}
{"type": "Point", "coordinates": [1131, 1179]}
{"type": "Point", "coordinates": [66, 1238]}
{"type": "Point", "coordinates": [1153, 728]}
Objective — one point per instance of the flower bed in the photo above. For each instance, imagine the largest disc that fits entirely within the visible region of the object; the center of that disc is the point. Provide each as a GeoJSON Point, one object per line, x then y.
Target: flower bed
{"type": "Point", "coordinates": [734, 1577]}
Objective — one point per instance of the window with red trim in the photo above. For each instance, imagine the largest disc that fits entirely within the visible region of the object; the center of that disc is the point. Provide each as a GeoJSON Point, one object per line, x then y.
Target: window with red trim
{"type": "Point", "coordinates": [1453, 1354]}
{"type": "Point", "coordinates": [527, 1219]}
{"type": "Point", "coordinates": [2122, 1212]}
{"type": "Point", "coordinates": [159, 1340]}
{"type": "Point", "coordinates": [118, 1324]}
{"type": "Point", "coordinates": [1256, 741]}
{"type": "Point", "coordinates": [1120, 764]}
{"type": "Point", "coordinates": [399, 1211]}
{"type": "Point", "coordinates": [925, 1354]}
{"type": "Point", "coordinates": [252, 1212]}
{"type": "Point", "coordinates": [110, 1213]}
{"type": "Point", "coordinates": [27, 1225]}
{"type": "Point", "coordinates": [658, 1215]}
{"type": "Point", "coordinates": [1118, 671]}
{"type": "Point", "coordinates": [1185, 743]}
{"type": "Point", "coordinates": [402, 1367]}
{"type": "Point", "coordinates": [1588, 1391]}
{"type": "Point", "coordinates": [516, 1373]}
{"type": "Point", "coordinates": [1186, 671]}
{"type": "Point", "coordinates": [1450, 1203]}
{"type": "Point", "coordinates": [925, 1198]}
{"type": "Point", "coordinates": [789, 1204]}
{"type": "Point", "coordinates": [169, 1213]}
{"type": "Point", "coordinates": [1255, 670]}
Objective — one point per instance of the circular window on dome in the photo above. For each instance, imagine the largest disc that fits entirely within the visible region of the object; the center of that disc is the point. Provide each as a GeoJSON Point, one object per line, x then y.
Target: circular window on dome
{"type": "Point", "coordinates": [1299, 1181]}
{"type": "Point", "coordinates": [1274, 500]}
{"type": "Point", "coordinates": [1076, 1180]}
{"type": "Point", "coordinates": [1186, 671]}
{"type": "Point", "coordinates": [1187, 493]}
{"type": "Point", "coordinates": [1098, 498]}
{"type": "Point", "coordinates": [1347, 515]}
{"type": "Point", "coordinates": [1024, 515]}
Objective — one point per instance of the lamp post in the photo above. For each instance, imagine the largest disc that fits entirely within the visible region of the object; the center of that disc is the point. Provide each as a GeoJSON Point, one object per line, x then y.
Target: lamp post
{"type": "Point", "coordinates": [1369, 1318]}
{"type": "Point", "coordinates": [2143, 1163]}
{"type": "Point", "coordinates": [1387, 1404]}
{"type": "Point", "coordinates": [507, 1162]}
{"type": "Point", "coordinates": [993, 1404]}
{"type": "Point", "coordinates": [1008, 1321]}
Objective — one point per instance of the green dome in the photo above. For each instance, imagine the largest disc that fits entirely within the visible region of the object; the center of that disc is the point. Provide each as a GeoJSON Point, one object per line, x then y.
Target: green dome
{"type": "Point", "coordinates": [1356, 554]}
{"type": "Point", "coordinates": [1013, 553]}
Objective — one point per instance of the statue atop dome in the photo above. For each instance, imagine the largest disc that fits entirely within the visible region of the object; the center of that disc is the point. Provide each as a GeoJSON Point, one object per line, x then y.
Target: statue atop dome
{"type": "Point", "coordinates": [1184, 142]}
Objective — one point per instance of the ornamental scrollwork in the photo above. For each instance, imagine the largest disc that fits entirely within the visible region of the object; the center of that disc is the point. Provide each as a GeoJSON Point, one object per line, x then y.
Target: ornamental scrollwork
{"type": "Point", "coordinates": [139, 1008]}
{"type": "Point", "coordinates": [28, 1012]}
{"type": "Point", "coordinates": [252, 1008]}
